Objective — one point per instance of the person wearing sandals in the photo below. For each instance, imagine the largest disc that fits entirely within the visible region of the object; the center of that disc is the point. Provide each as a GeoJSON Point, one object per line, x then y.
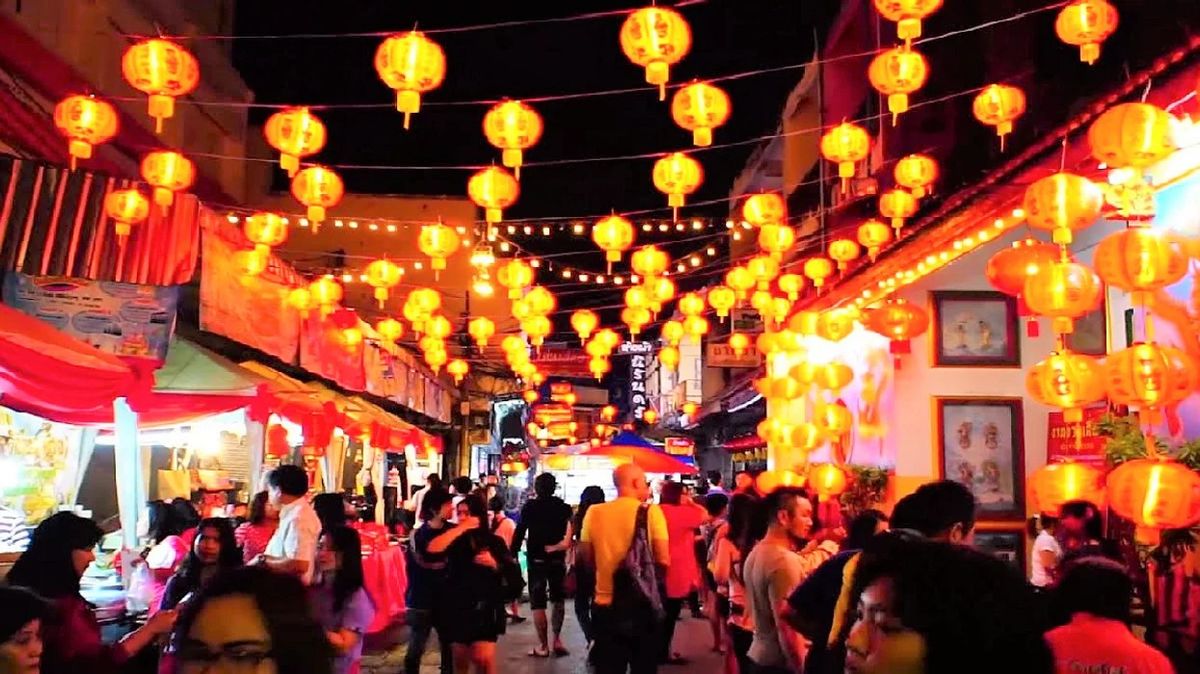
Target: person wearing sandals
{"type": "Point", "coordinates": [547, 520]}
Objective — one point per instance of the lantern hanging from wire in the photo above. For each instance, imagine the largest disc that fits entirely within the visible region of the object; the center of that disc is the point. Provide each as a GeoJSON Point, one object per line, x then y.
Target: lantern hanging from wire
{"type": "Point", "coordinates": [458, 369]}
{"type": "Point", "coordinates": [1156, 493]}
{"type": "Point", "coordinates": [516, 275]}
{"type": "Point", "coordinates": [635, 318]}
{"type": "Point", "coordinates": [390, 330]}
{"type": "Point", "coordinates": [1062, 204]}
{"type": "Point", "coordinates": [265, 230]}
{"type": "Point", "coordinates": [1067, 380]}
{"type": "Point", "coordinates": [439, 241]}
{"type": "Point", "coordinates": [999, 105]}
{"type": "Point", "coordinates": [85, 121]}
{"type": "Point", "coordinates": [691, 304]}
{"type": "Point", "coordinates": [167, 172]}
{"type": "Point", "coordinates": [1129, 138]}
{"type": "Point", "coordinates": [672, 332]}
{"type": "Point", "coordinates": [296, 133]}
{"type": "Point", "coordinates": [873, 235]}
{"type": "Point", "coordinates": [411, 64]}
{"type": "Point", "coordinates": [917, 173]}
{"type": "Point", "coordinates": [818, 269]}
{"type": "Point", "coordinates": [722, 299]}
{"type": "Point", "coordinates": [897, 319]}
{"type": "Point", "coordinates": [584, 322]}
{"type": "Point", "coordinates": [695, 327]}
{"type": "Point", "coordinates": [301, 300]}
{"type": "Point", "coordinates": [614, 235]}
{"type": "Point", "coordinates": [1140, 260]}
{"type": "Point", "coordinates": [834, 325]}
{"type": "Point", "coordinates": [656, 38]}
{"type": "Point", "coordinates": [907, 14]}
{"type": "Point", "coordinates": [739, 343]}
{"type": "Point", "coordinates": [318, 188]}
{"type": "Point", "coordinates": [541, 301]}
{"type": "Point", "coordinates": [898, 205]}
{"type": "Point", "coordinates": [326, 292]}
{"type": "Point", "coordinates": [764, 269]}
{"type": "Point", "coordinates": [662, 290]}
{"type": "Point", "coordinates": [677, 175]}
{"type": "Point", "coordinates": [512, 127]}
{"type": "Point", "coordinates": [493, 189]}
{"type": "Point", "coordinates": [843, 252]}
{"type": "Point", "coordinates": [791, 285]}
{"type": "Point", "coordinates": [481, 329]}
{"type": "Point", "coordinates": [1064, 291]}
{"type": "Point", "coordinates": [1086, 24]}
{"type": "Point", "coordinates": [764, 208]}
{"type": "Point", "coordinates": [1150, 377]}
{"type": "Point", "coordinates": [1009, 268]}
{"type": "Point", "coordinates": [164, 71]}
{"type": "Point", "coordinates": [740, 280]}
{"type": "Point", "coordinates": [669, 357]}
{"type": "Point", "coordinates": [775, 240]}
{"type": "Point", "coordinates": [1058, 483]}
{"type": "Point", "coordinates": [649, 262]}
{"type": "Point", "coordinates": [435, 359]}
{"type": "Point", "coordinates": [845, 145]}
{"type": "Point", "coordinates": [126, 208]}
{"type": "Point", "coordinates": [383, 275]}
{"type": "Point", "coordinates": [896, 73]}
{"type": "Point", "coordinates": [700, 107]}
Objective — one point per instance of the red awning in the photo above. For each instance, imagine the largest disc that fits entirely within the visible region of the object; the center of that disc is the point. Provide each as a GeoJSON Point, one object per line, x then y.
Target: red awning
{"type": "Point", "coordinates": [744, 443]}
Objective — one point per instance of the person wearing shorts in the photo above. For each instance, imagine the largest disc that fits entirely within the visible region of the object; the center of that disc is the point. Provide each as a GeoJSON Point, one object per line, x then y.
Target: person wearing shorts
{"type": "Point", "coordinates": [546, 519]}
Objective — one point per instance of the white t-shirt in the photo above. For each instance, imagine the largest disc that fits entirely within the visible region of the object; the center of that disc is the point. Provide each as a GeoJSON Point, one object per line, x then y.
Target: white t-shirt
{"type": "Point", "coordinates": [296, 537]}
{"type": "Point", "coordinates": [1044, 542]}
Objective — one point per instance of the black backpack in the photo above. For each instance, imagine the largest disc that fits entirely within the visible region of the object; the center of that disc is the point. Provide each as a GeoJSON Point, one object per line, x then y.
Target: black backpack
{"type": "Point", "coordinates": [636, 581]}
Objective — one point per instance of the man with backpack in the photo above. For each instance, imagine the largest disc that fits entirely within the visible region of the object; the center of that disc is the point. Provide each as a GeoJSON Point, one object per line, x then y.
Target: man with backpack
{"type": "Point", "coordinates": [625, 542]}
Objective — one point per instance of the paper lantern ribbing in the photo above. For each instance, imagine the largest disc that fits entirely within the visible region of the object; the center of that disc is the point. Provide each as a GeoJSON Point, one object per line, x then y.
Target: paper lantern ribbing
{"type": "Point", "coordinates": [896, 73]}
{"type": "Point", "coordinates": [411, 64]}
{"type": "Point", "coordinates": [265, 230]}
{"type": "Point", "coordinates": [916, 172]}
{"type": "Point", "coordinates": [1063, 203]}
{"type": "Point", "coordinates": [1132, 135]}
{"type": "Point", "coordinates": [318, 188]}
{"type": "Point", "coordinates": [512, 127]}
{"type": "Point", "coordinates": [1064, 291]}
{"type": "Point", "coordinates": [1067, 380]}
{"type": "Point", "coordinates": [907, 14]}
{"type": "Point", "coordinates": [846, 144]}
{"type": "Point", "coordinates": [677, 175]}
{"type": "Point", "coordinates": [656, 38]}
{"type": "Point", "coordinates": [1086, 24]}
{"type": "Point", "coordinates": [1150, 377]}
{"type": "Point", "coordinates": [1140, 260]}
{"type": "Point", "coordinates": [295, 133]}
{"type": "Point", "coordinates": [493, 189]}
{"type": "Point", "coordinates": [1156, 494]}
{"type": "Point", "coordinates": [700, 107]}
{"type": "Point", "coordinates": [999, 105]}
{"type": "Point", "coordinates": [1008, 269]}
{"type": "Point", "coordinates": [439, 241]}
{"type": "Point", "coordinates": [1060, 483]}
{"type": "Point", "coordinates": [764, 208]}
{"type": "Point", "coordinates": [86, 121]}
{"type": "Point", "coordinates": [164, 71]}
{"type": "Point", "coordinates": [126, 208]}
{"type": "Point", "coordinates": [167, 172]}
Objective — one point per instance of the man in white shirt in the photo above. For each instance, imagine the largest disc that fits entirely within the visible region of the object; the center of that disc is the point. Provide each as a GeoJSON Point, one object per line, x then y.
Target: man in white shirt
{"type": "Point", "coordinates": [432, 482]}
{"type": "Point", "coordinates": [293, 547]}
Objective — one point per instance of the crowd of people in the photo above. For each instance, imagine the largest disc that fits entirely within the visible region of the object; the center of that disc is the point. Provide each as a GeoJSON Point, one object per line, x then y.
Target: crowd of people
{"type": "Point", "coordinates": [783, 591]}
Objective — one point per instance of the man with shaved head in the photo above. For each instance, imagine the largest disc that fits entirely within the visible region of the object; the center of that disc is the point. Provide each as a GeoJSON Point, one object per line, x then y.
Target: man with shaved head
{"type": "Point", "coordinates": [626, 629]}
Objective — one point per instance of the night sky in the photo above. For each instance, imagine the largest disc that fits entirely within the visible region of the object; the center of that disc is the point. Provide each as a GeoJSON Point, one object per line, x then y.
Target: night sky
{"type": "Point", "coordinates": [523, 61]}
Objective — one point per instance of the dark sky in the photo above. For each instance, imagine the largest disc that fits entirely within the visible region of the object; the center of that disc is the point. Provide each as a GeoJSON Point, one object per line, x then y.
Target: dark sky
{"type": "Point", "coordinates": [729, 36]}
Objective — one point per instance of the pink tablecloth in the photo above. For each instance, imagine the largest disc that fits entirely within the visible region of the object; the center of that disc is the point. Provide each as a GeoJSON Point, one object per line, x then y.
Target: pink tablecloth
{"type": "Point", "coordinates": [386, 581]}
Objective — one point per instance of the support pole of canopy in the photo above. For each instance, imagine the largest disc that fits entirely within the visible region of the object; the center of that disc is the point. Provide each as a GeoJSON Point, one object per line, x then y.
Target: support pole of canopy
{"type": "Point", "coordinates": [256, 444]}
{"type": "Point", "coordinates": [375, 459]}
{"type": "Point", "coordinates": [131, 488]}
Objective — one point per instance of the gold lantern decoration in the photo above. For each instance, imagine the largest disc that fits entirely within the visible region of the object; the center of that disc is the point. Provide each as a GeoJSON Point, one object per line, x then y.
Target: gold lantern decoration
{"type": "Point", "coordinates": [760, 300]}
{"type": "Point", "coordinates": [326, 292]}
{"type": "Point", "coordinates": [584, 322]}
{"type": "Point", "coordinates": [873, 235]}
{"type": "Point", "coordinates": [318, 188]}
{"type": "Point", "coordinates": [649, 262]}
{"type": "Point", "coordinates": [541, 301]}
{"type": "Point", "coordinates": [538, 328]}
{"type": "Point", "coordinates": [296, 133]}
{"type": "Point", "coordinates": [1141, 260]}
{"type": "Point", "coordinates": [898, 205]}
{"type": "Point", "coordinates": [126, 208]}
{"type": "Point", "coordinates": [739, 343]}
{"type": "Point", "coordinates": [722, 299]}
{"type": "Point", "coordinates": [764, 269]}
{"type": "Point", "coordinates": [599, 367]}
{"type": "Point", "coordinates": [265, 230]}
{"type": "Point", "coordinates": [411, 64]}
{"type": "Point", "coordinates": [741, 280]}
{"type": "Point", "coordinates": [672, 332]}
{"type": "Point", "coordinates": [916, 173]}
{"type": "Point", "coordinates": [907, 14]}
{"type": "Point", "coordinates": [691, 304]}
{"type": "Point", "coordinates": [1067, 380]}
{"type": "Point", "coordinates": [845, 145]}
{"type": "Point", "coordinates": [1156, 493]}
{"type": "Point", "coordinates": [516, 275]}
{"type": "Point", "coordinates": [614, 235]}
{"type": "Point", "coordinates": [86, 121]}
{"type": "Point", "coordinates": [481, 329]}
{"type": "Point", "coordinates": [1063, 203]}
{"type": "Point", "coordinates": [1149, 376]}
{"type": "Point", "coordinates": [1059, 483]}
{"type": "Point", "coordinates": [827, 480]}
{"type": "Point", "coordinates": [1064, 291]}
{"type": "Point", "coordinates": [677, 175]}
{"type": "Point", "coordinates": [768, 481]}
{"type": "Point", "coordinates": [435, 359]}
{"type": "Point", "coordinates": [896, 319]}
{"type": "Point", "coordinates": [764, 208]}
{"type": "Point", "coordinates": [833, 420]}
{"type": "Point", "coordinates": [896, 73]}
{"type": "Point", "coordinates": [1086, 24]}
{"type": "Point", "coordinates": [791, 285]}
{"type": "Point", "coordinates": [656, 38]}
{"type": "Point", "coordinates": [1009, 268]}
{"type": "Point", "coordinates": [833, 376]}
{"type": "Point", "coordinates": [834, 325]}
{"type": "Point", "coordinates": [662, 289]}
{"type": "Point", "coordinates": [458, 368]}
{"type": "Point", "coordinates": [167, 172]}
{"type": "Point", "coordinates": [439, 241]}
{"type": "Point", "coordinates": [383, 275]}
{"type": "Point", "coordinates": [390, 330]}
{"type": "Point", "coordinates": [818, 269]}
{"type": "Point", "coordinates": [301, 300]}
{"type": "Point", "coordinates": [695, 327]}
{"type": "Point", "coordinates": [999, 105]}
{"type": "Point", "coordinates": [775, 240]}
{"type": "Point", "coordinates": [669, 357]}
{"type": "Point", "coordinates": [1129, 138]}
{"type": "Point", "coordinates": [493, 189]}
{"type": "Point", "coordinates": [164, 71]}
{"type": "Point", "coordinates": [512, 127]}
{"type": "Point", "coordinates": [700, 107]}
{"type": "Point", "coordinates": [843, 252]}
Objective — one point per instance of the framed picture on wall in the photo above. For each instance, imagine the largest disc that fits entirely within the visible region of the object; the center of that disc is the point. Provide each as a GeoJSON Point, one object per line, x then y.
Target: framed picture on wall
{"type": "Point", "coordinates": [1090, 336]}
{"type": "Point", "coordinates": [980, 444]}
{"type": "Point", "coordinates": [1004, 544]}
{"type": "Point", "coordinates": [975, 328]}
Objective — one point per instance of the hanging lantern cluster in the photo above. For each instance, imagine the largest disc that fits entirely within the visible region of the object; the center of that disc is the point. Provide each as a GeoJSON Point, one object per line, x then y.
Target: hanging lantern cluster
{"type": "Point", "coordinates": [656, 38]}
{"type": "Point", "coordinates": [85, 121]}
{"type": "Point", "coordinates": [512, 127]}
{"type": "Point", "coordinates": [295, 133]}
{"type": "Point", "coordinates": [533, 312]}
{"type": "Point", "coordinates": [317, 188]}
{"type": "Point", "coordinates": [164, 71]}
{"type": "Point", "coordinates": [700, 107]}
{"type": "Point", "coordinates": [411, 64]}
{"type": "Point", "coordinates": [692, 306]}
{"type": "Point", "coordinates": [599, 350]}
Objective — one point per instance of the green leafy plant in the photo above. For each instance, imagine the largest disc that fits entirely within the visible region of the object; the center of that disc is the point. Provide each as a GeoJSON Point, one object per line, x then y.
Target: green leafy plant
{"type": "Point", "coordinates": [867, 488]}
{"type": "Point", "coordinates": [1126, 442]}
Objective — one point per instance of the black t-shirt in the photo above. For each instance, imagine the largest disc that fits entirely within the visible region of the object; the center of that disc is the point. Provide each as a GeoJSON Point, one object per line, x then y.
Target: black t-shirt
{"type": "Point", "coordinates": [545, 520]}
{"type": "Point", "coordinates": [426, 571]}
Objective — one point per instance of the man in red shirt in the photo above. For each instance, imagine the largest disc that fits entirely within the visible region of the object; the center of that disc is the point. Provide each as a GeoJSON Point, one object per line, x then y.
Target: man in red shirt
{"type": "Point", "coordinates": [1097, 593]}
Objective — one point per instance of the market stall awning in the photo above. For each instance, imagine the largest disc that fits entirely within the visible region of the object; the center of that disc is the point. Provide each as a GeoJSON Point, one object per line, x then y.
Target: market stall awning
{"type": "Point", "coordinates": [191, 368]}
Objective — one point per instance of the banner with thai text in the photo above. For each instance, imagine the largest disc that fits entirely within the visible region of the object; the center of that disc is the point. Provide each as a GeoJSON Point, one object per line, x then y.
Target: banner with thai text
{"type": "Point", "coordinates": [1080, 442]}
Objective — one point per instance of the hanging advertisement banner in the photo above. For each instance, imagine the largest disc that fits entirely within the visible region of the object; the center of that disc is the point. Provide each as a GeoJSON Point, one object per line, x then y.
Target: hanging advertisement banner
{"type": "Point", "coordinates": [562, 362]}
{"type": "Point", "coordinates": [324, 351]}
{"type": "Point", "coordinates": [123, 319]}
{"type": "Point", "coordinates": [1061, 442]}
{"type": "Point", "coordinates": [246, 309]}
{"type": "Point", "coordinates": [638, 400]}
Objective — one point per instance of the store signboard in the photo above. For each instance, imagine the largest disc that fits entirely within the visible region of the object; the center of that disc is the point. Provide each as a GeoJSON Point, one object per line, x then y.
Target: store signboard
{"type": "Point", "coordinates": [746, 320]}
{"type": "Point", "coordinates": [562, 362]}
{"type": "Point", "coordinates": [124, 319]}
{"type": "Point", "coordinates": [638, 401]}
{"type": "Point", "coordinates": [680, 446]}
{"type": "Point", "coordinates": [719, 354]}
{"type": "Point", "coordinates": [1062, 444]}
{"type": "Point", "coordinates": [628, 348]}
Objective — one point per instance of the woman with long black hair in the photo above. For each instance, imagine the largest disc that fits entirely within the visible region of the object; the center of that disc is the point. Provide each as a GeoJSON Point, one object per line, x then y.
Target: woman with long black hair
{"type": "Point", "coordinates": [585, 577]}
{"type": "Point", "coordinates": [214, 550]}
{"type": "Point", "coordinates": [747, 526]}
{"type": "Point", "coordinates": [339, 598]}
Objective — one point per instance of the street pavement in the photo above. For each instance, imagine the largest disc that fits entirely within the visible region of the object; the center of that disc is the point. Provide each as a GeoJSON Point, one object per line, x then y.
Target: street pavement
{"type": "Point", "coordinates": [385, 652]}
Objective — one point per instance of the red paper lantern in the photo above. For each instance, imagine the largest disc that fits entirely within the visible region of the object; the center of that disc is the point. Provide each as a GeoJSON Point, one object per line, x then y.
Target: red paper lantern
{"type": "Point", "coordinates": [1058, 483]}
{"type": "Point", "coordinates": [1156, 494]}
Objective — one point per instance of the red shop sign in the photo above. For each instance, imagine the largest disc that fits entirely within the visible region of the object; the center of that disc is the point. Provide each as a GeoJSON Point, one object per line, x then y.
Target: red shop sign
{"type": "Point", "coordinates": [1061, 442]}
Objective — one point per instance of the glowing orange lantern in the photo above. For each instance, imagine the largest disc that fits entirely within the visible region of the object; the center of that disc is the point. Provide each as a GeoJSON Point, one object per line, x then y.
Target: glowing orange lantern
{"type": "Point", "coordinates": [833, 376]}
{"type": "Point", "coordinates": [896, 319]}
{"type": "Point", "coordinates": [439, 242]}
{"type": "Point", "coordinates": [584, 321]}
{"type": "Point", "coordinates": [999, 105]}
{"type": "Point", "coordinates": [656, 38]}
{"type": "Point", "coordinates": [741, 280]}
{"type": "Point", "coordinates": [691, 304]}
{"type": "Point", "coordinates": [897, 204]}
{"type": "Point", "coordinates": [833, 420]}
{"type": "Point", "coordinates": [804, 322]}
{"type": "Point", "coordinates": [672, 332]}
{"type": "Point", "coordinates": [541, 301]}
{"type": "Point", "coordinates": [776, 240]}
{"type": "Point", "coordinates": [827, 480]}
{"type": "Point", "coordinates": [1008, 269]}
{"type": "Point", "coordinates": [843, 252]}
{"type": "Point", "coordinates": [1132, 135]}
{"type": "Point", "coordinates": [326, 292]}
{"type": "Point", "coordinates": [1067, 380]}
{"type": "Point", "coordinates": [390, 329]}
{"type": "Point", "coordinates": [662, 289]}
{"type": "Point", "coordinates": [739, 343]}
{"type": "Point", "coordinates": [493, 189]}
{"type": "Point", "coordinates": [689, 408]}
{"type": "Point", "coordinates": [1059, 483]}
{"type": "Point", "coordinates": [435, 359]}
{"type": "Point", "coordinates": [1150, 377]}
{"type": "Point", "coordinates": [700, 107]}
{"type": "Point", "coordinates": [677, 175]}
{"type": "Point", "coordinates": [846, 144]}
{"type": "Point", "coordinates": [916, 172]}
{"type": "Point", "coordinates": [818, 269]}
{"type": "Point", "coordinates": [438, 327]}
{"type": "Point", "coordinates": [761, 300]}
{"type": "Point", "coordinates": [599, 367]}
{"type": "Point", "coordinates": [1063, 290]}
{"type": "Point", "coordinates": [86, 121]}
{"type": "Point", "coordinates": [512, 127]}
{"type": "Point", "coordinates": [722, 299]}
{"type": "Point", "coordinates": [873, 235]}
{"type": "Point", "coordinates": [162, 69]}
{"type": "Point", "coordinates": [649, 262]}
{"type": "Point", "coordinates": [613, 235]}
{"type": "Point", "coordinates": [765, 208]}
{"type": "Point", "coordinates": [265, 230]}
{"type": "Point", "coordinates": [516, 275]}
{"type": "Point", "coordinates": [669, 357]}
{"type": "Point", "coordinates": [167, 172]}
{"type": "Point", "coordinates": [301, 300]}
{"type": "Point", "coordinates": [458, 368]}
{"type": "Point", "coordinates": [896, 73]}
{"type": "Point", "coordinates": [1086, 24]}
{"type": "Point", "coordinates": [296, 133]}
{"type": "Point", "coordinates": [907, 14]}
{"type": "Point", "coordinates": [383, 275]}
{"type": "Point", "coordinates": [538, 328]}
{"type": "Point", "coordinates": [650, 415]}
{"type": "Point", "coordinates": [770, 480]}
{"type": "Point", "coordinates": [1063, 203]}
{"type": "Point", "coordinates": [1141, 260]}
{"type": "Point", "coordinates": [834, 325]}
{"type": "Point", "coordinates": [1156, 494]}
{"type": "Point", "coordinates": [481, 330]}
{"type": "Point", "coordinates": [126, 208]}
{"type": "Point", "coordinates": [695, 327]}
{"type": "Point", "coordinates": [318, 188]}
{"type": "Point", "coordinates": [608, 412]}
{"type": "Point", "coordinates": [411, 64]}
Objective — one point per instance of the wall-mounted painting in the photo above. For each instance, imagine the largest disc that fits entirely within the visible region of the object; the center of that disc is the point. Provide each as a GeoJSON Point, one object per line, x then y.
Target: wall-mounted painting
{"type": "Point", "coordinates": [981, 445]}
{"type": "Point", "coordinates": [1004, 544]}
{"type": "Point", "coordinates": [975, 328]}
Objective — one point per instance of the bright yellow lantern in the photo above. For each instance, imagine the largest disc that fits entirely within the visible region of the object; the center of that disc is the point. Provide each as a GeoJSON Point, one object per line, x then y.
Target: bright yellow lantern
{"type": "Point", "coordinates": [741, 280]}
{"type": "Point", "coordinates": [896, 319]}
{"type": "Point", "coordinates": [164, 71]}
{"type": "Point", "coordinates": [700, 107]}
{"type": "Point", "coordinates": [818, 269]}
{"type": "Point", "coordinates": [691, 304]}
{"type": "Point", "coordinates": [86, 121]}
{"type": "Point", "coordinates": [873, 235]}
{"type": "Point", "coordinates": [649, 262]}
{"type": "Point", "coordinates": [739, 343]}
{"type": "Point", "coordinates": [662, 290]}
{"type": "Point", "coordinates": [435, 359]}
{"type": "Point", "coordinates": [672, 332]}
{"type": "Point", "coordinates": [1149, 376]}
{"type": "Point", "coordinates": [438, 241]}
{"type": "Point", "coordinates": [613, 235]}
{"type": "Point", "coordinates": [833, 376]}
{"type": "Point", "coordinates": [656, 38]}
{"type": "Point", "coordinates": [722, 299]}
{"type": "Point", "coordinates": [898, 205]}
{"type": "Point", "coordinates": [916, 172]}
{"type": "Point", "coordinates": [265, 230]}
{"type": "Point", "coordinates": [493, 189]}
{"type": "Point", "coordinates": [1063, 203]}
{"type": "Point", "coordinates": [584, 322]}
{"type": "Point", "coordinates": [843, 252]}
{"type": "Point", "coordinates": [458, 368]}
{"type": "Point", "coordinates": [1067, 380]}
{"type": "Point", "coordinates": [695, 327]}
{"type": "Point", "coordinates": [896, 73]}
{"type": "Point", "coordinates": [383, 275]}
{"type": "Point", "coordinates": [390, 330]}
{"type": "Point", "coordinates": [301, 300]}
{"type": "Point", "coordinates": [126, 208]}
{"type": "Point", "coordinates": [999, 105]}
{"type": "Point", "coordinates": [516, 275]}
{"type": "Point", "coordinates": [512, 127]}
{"type": "Point", "coordinates": [599, 367]}
{"type": "Point", "coordinates": [677, 175]}
{"type": "Point", "coordinates": [764, 208]}
{"type": "Point", "coordinates": [833, 420]}
{"type": "Point", "coordinates": [541, 301]}
{"type": "Point", "coordinates": [1141, 260]}
{"type": "Point", "coordinates": [411, 64]}
{"type": "Point", "coordinates": [538, 328]}
{"type": "Point", "coordinates": [1156, 494]}
{"type": "Point", "coordinates": [296, 133]}
{"type": "Point", "coordinates": [669, 357]}
{"type": "Point", "coordinates": [776, 240]}
{"type": "Point", "coordinates": [167, 172]}
{"type": "Point", "coordinates": [827, 480]}
{"type": "Point", "coordinates": [481, 330]}
{"type": "Point", "coordinates": [907, 14]}
{"type": "Point", "coordinates": [1086, 24]}
{"type": "Point", "coordinates": [1132, 135]}
{"type": "Point", "coordinates": [791, 285]}
{"type": "Point", "coordinates": [845, 145]}
{"type": "Point", "coordinates": [326, 292]}
{"type": "Point", "coordinates": [1064, 291]}
{"type": "Point", "coordinates": [835, 325]}
{"type": "Point", "coordinates": [318, 188]}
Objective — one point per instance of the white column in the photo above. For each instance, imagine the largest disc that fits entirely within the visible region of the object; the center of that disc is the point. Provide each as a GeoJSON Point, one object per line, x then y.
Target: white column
{"type": "Point", "coordinates": [131, 489]}
{"type": "Point", "coordinates": [256, 444]}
